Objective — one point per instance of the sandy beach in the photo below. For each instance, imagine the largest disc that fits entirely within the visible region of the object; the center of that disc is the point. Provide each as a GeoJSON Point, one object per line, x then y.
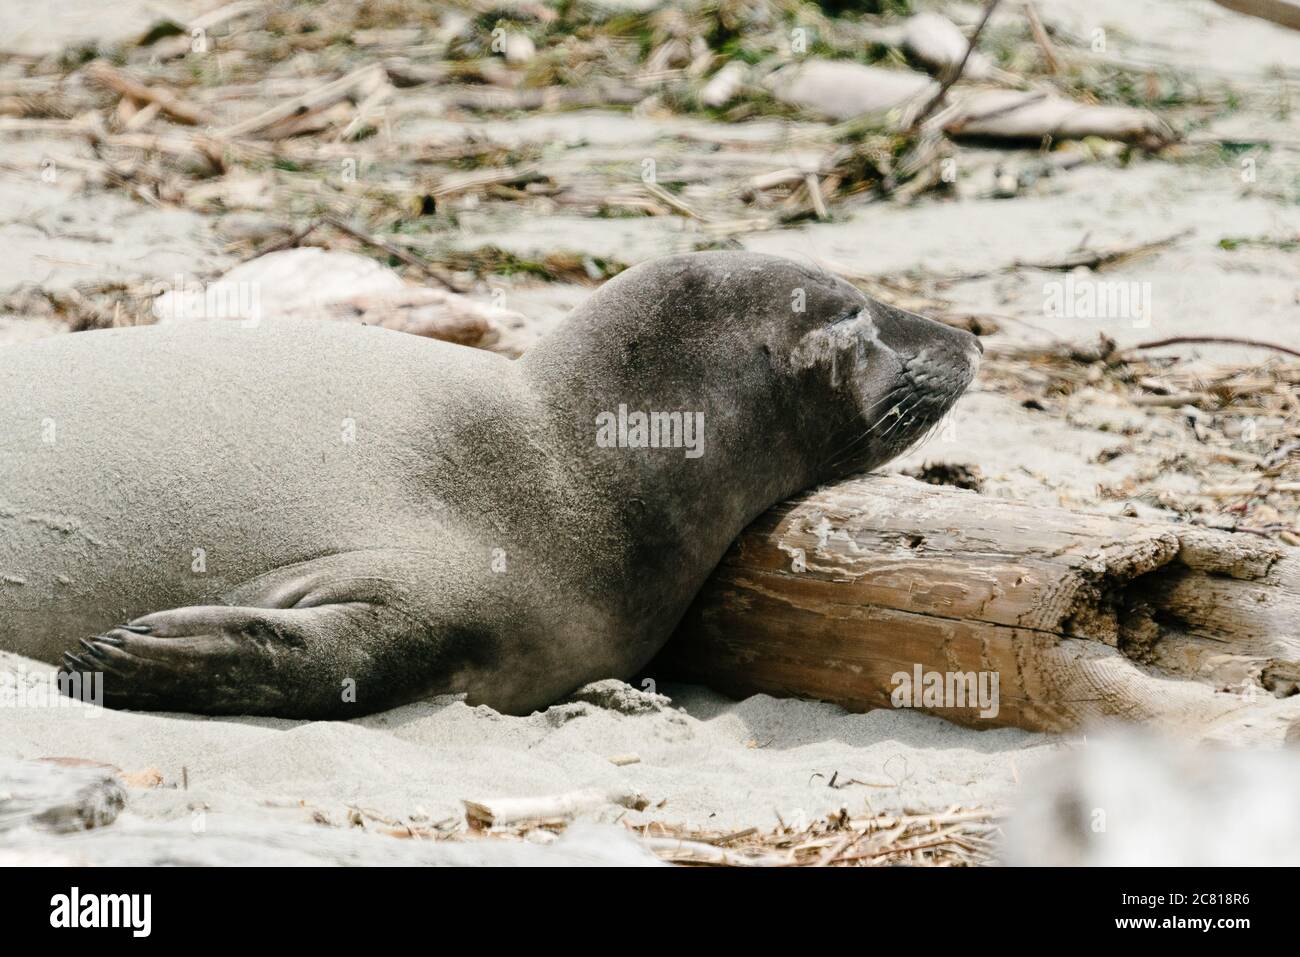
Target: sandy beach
{"type": "Point", "coordinates": [335, 791]}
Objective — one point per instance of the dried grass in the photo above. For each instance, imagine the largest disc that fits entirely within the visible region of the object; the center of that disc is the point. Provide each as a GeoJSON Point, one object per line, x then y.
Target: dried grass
{"type": "Point", "coordinates": [955, 837]}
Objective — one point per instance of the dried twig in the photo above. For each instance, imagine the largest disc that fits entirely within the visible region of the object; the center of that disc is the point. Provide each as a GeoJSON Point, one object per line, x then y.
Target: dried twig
{"type": "Point", "coordinates": [661, 194]}
{"type": "Point", "coordinates": [1042, 39]}
{"type": "Point", "coordinates": [955, 75]}
{"type": "Point", "coordinates": [1225, 340]}
{"type": "Point", "coordinates": [548, 808]}
{"type": "Point", "coordinates": [106, 76]}
{"type": "Point", "coordinates": [433, 272]}
{"type": "Point", "coordinates": [321, 97]}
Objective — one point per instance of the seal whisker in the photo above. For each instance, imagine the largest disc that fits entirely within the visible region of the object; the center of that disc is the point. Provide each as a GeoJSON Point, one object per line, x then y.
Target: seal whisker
{"type": "Point", "coordinates": [887, 397]}
{"type": "Point", "coordinates": [895, 424]}
{"type": "Point", "coordinates": [842, 452]}
{"type": "Point", "coordinates": [841, 455]}
{"type": "Point", "coordinates": [930, 432]}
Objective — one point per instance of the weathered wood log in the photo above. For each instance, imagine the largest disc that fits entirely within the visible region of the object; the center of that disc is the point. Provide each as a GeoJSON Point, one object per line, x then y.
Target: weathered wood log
{"type": "Point", "coordinates": [1285, 12]}
{"type": "Point", "coordinates": [1078, 617]}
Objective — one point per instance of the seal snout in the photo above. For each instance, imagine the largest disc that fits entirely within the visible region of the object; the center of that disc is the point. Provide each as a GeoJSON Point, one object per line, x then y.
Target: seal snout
{"type": "Point", "coordinates": [922, 366]}
{"type": "Point", "coordinates": [909, 335]}
{"type": "Point", "coordinates": [938, 359]}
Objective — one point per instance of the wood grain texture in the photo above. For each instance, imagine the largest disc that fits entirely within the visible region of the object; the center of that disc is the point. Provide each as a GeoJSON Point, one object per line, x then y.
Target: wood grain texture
{"type": "Point", "coordinates": [1082, 617]}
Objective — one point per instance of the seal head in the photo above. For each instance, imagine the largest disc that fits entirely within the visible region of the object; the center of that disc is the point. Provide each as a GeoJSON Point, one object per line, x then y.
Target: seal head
{"type": "Point", "coordinates": [797, 370]}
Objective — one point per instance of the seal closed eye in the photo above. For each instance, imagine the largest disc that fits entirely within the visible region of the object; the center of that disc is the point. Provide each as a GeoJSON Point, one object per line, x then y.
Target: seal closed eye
{"type": "Point", "coordinates": [322, 520]}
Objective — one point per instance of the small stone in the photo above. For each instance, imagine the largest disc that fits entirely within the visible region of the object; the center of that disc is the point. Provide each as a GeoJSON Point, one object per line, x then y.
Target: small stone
{"type": "Point", "coordinates": [614, 695]}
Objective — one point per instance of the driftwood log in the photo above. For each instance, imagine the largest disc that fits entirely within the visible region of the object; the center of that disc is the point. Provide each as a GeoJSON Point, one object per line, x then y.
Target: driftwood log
{"type": "Point", "coordinates": [1285, 12]}
{"type": "Point", "coordinates": [1081, 617]}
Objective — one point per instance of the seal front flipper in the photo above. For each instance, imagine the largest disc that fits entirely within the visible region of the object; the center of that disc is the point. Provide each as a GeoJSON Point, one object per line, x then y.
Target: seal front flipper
{"type": "Point", "coordinates": [337, 637]}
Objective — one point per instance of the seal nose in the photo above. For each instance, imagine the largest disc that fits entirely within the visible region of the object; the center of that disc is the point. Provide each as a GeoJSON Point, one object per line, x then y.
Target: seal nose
{"type": "Point", "coordinates": [911, 335]}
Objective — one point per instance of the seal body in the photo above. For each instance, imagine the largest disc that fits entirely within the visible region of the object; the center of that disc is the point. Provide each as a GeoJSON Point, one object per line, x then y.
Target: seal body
{"type": "Point", "coordinates": [322, 520]}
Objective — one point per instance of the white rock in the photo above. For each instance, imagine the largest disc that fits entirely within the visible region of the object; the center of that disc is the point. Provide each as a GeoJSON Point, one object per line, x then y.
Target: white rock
{"type": "Point", "coordinates": [519, 49]}
{"type": "Point", "coordinates": [724, 85]}
{"type": "Point", "coordinates": [935, 41]}
{"type": "Point", "coordinates": [1019, 114]}
{"type": "Point", "coordinates": [841, 90]}
{"type": "Point", "coordinates": [308, 283]}
{"type": "Point", "coordinates": [278, 284]}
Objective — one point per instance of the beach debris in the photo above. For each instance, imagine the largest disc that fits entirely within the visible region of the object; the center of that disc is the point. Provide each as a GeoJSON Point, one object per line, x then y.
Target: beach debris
{"type": "Point", "coordinates": [623, 760]}
{"type": "Point", "coordinates": [143, 95]}
{"type": "Point", "coordinates": [680, 850]}
{"type": "Point", "coordinates": [956, 71]}
{"type": "Point", "coordinates": [168, 37]}
{"type": "Point", "coordinates": [614, 695]}
{"type": "Point", "coordinates": [286, 118]}
{"type": "Point", "coordinates": [237, 190]}
{"type": "Point", "coordinates": [519, 48]}
{"type": "Point", "coordinates": [1177, 627]}
{"type": "Point", "coordinates": [843, 90]}
{"type": "Point", "coordinates": [550, 809]}
{"type": "Point", "coordinates": [144, 779]}
{"type": "Point", "coordinates": [432, 313]}
{"type": "Point", "coordinates": [59, 794]}
{"type": "Point", "coordinates": [953, 837]}
{"type": "Point", "coordinates": [724, 85]}
{"type": "Point", "coordinates": [1051, 58]}
{"type": "Point", "coordinates": [1226, 340]}
{"type": "Point", "coordinates": [312, 283]}
{"type": "Point", "coordinates": [1034, 115]}
{"type": "Point", "coordinates": [279, 284]}
{"type": "Point", "coordinates": [953, 474]}
{"type": "Point", "coordinates": [1085, 257]}
{"type": "Point", "coordinates": [935, 41]}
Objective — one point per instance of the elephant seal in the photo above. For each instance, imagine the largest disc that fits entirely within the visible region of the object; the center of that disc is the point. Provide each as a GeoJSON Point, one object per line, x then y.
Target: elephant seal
{"type": "Point", "coordinates": [316, 520]}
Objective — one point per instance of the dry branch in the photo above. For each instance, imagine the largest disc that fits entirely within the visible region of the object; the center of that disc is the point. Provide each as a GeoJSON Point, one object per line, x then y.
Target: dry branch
{"type": "Point", "coordinates": [1042, 39]}
{"type": "Point", "coordinates": [171, 104]}
{"type": "Point", "coordinates": [955, 74]}
{"type": "Point", "coordinates": [364, 80]}
{"type": "Point", "coordinates": [552, 808]}
{"type": "Point", "coordinates": [1221, 340]}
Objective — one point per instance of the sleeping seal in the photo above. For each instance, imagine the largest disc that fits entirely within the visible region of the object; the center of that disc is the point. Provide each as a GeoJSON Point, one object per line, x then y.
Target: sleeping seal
{"type": "Point", "coordinates": [320, 520]}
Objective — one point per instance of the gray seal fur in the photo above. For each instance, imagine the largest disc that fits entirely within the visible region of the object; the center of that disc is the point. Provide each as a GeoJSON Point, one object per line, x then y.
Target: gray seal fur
{"type": "Point", "coordinates": [318, 520]}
